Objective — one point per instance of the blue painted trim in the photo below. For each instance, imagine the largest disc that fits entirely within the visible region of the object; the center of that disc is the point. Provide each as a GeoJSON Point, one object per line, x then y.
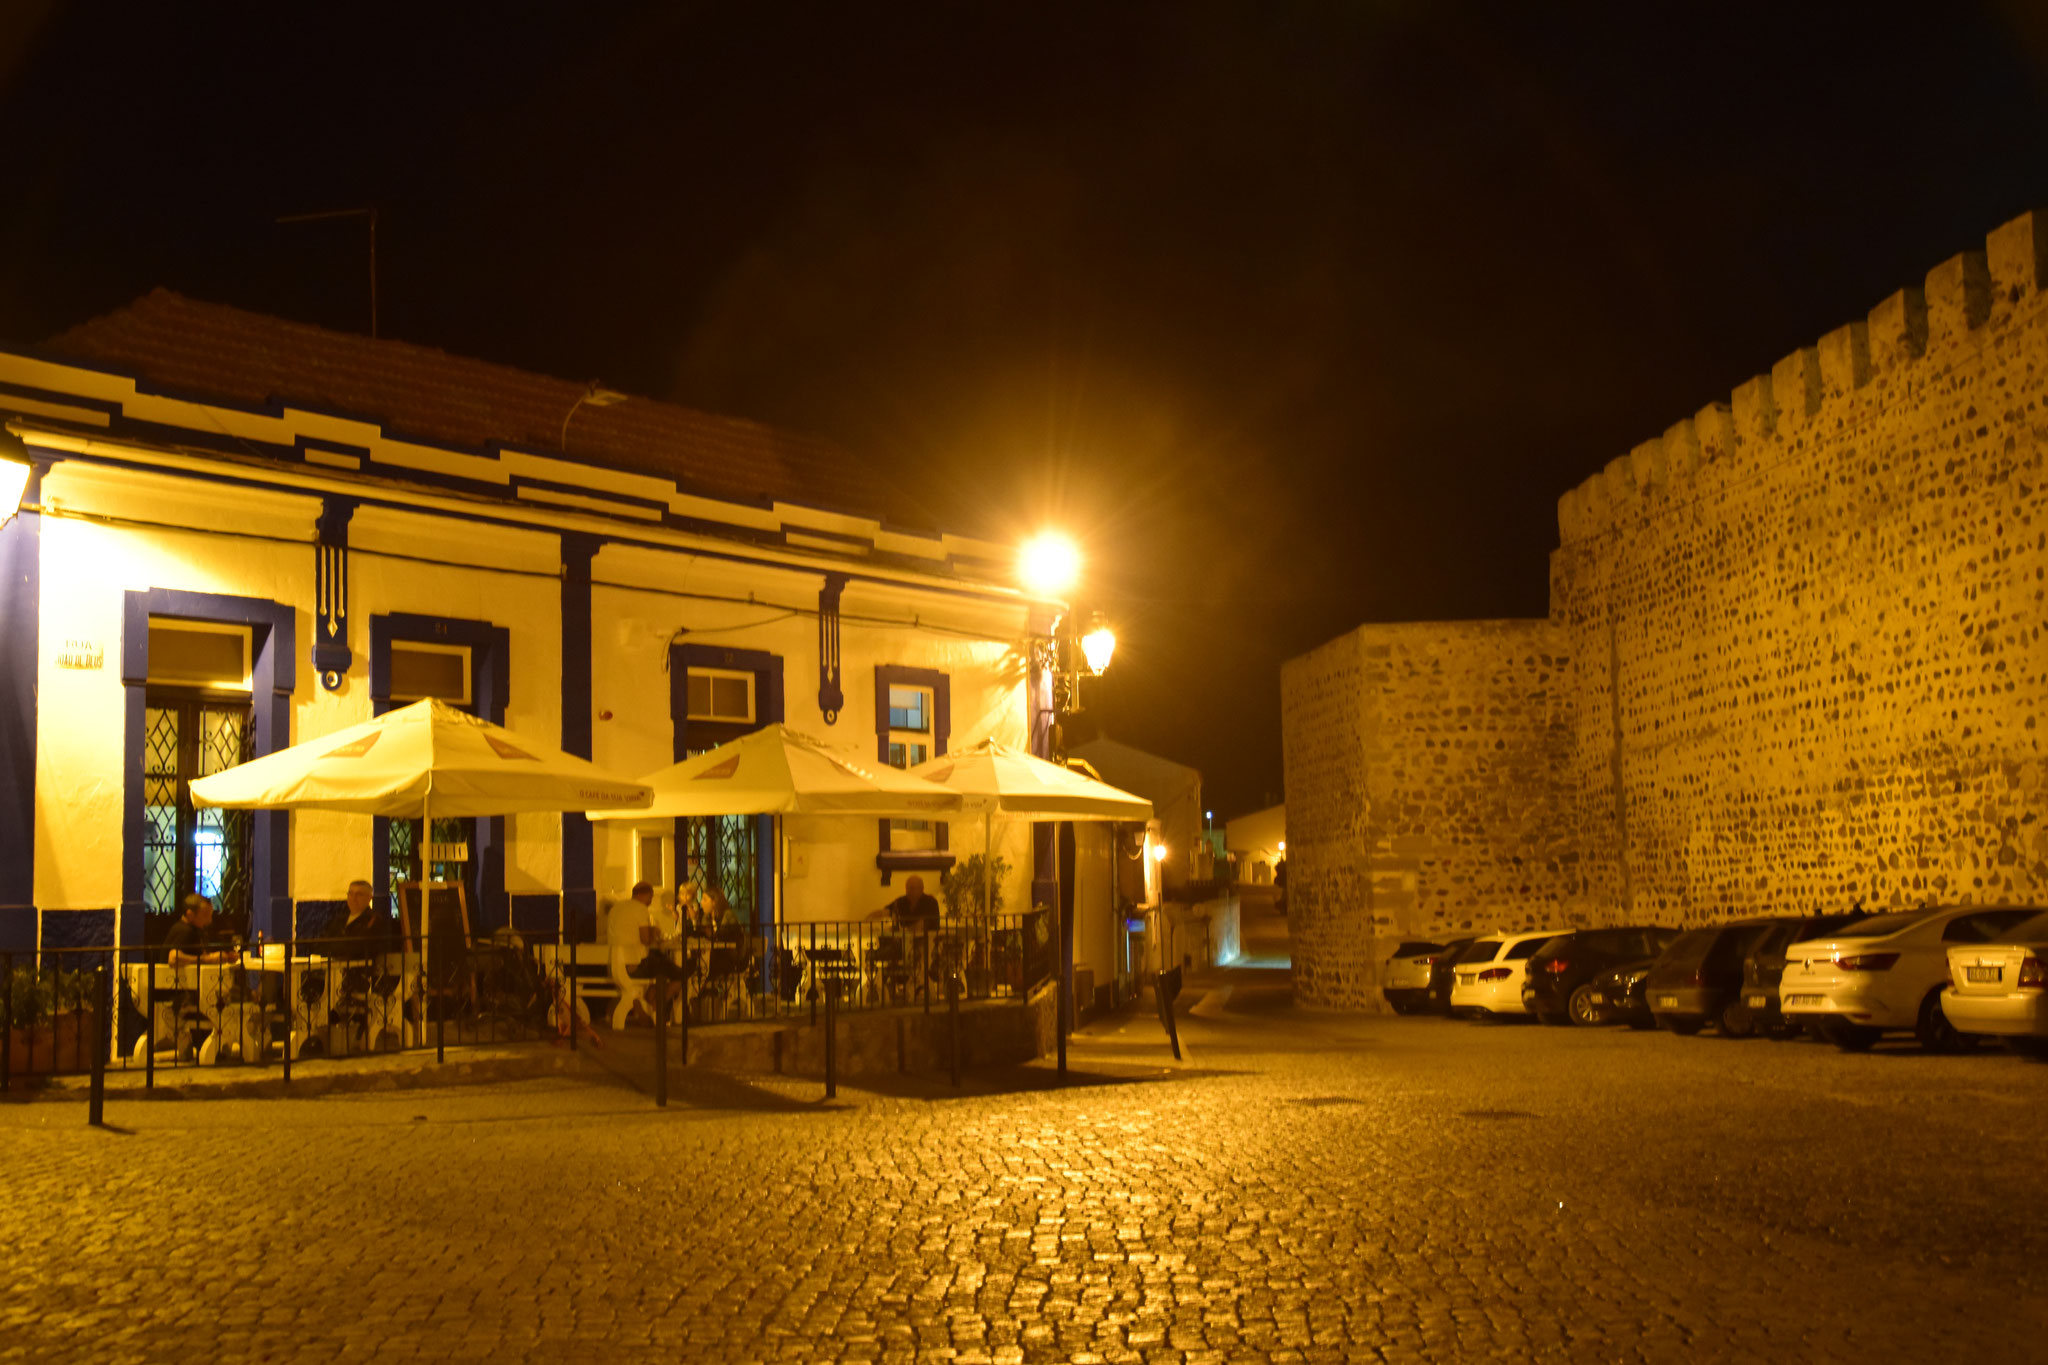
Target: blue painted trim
{"type": "Point", "coordinates": [689, 735]}
{"type": "Point", "coordinates": [622, 536]}
{"type": "Point", "coordinates": [21, 611]}
{"type": "Point", "coordinates": [81, 929]}
{"type": "Point", "coordinates": [490, 688]}
{"type": "Point", "coordinates": [579, 859]}
{"type": "Point", "coordinates": [17, 928]}
{"type": "Point", "coordinates": [887, 859]}
{"type": "Point", "coordinates": [273, 631]}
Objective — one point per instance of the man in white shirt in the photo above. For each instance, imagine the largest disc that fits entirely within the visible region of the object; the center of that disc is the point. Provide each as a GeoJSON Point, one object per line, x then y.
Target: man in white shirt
{"type": "Point", "coordinates": [635, 941]}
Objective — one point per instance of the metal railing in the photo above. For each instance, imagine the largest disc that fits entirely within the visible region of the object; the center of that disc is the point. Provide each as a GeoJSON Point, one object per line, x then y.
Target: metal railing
{"type": "Point", "coordinates": [144, 1010]}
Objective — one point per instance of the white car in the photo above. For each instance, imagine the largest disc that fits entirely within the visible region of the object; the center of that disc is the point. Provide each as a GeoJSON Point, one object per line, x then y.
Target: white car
{"type": "Point", "coordinates": [2002, 988]}
{"type": "Point", "coordinates": [1886, 974]}
{"type": "Point", "coordinates": [1487, 978]}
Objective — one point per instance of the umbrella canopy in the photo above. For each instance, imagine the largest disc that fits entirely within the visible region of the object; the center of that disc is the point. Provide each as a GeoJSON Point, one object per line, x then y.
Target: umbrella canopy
{"type": "Point", "coordinates": [1021, 785]}
{"type": "Point", "coordinates": [395, 764]}
{"type": "Point", "coordinates": [780, 771]}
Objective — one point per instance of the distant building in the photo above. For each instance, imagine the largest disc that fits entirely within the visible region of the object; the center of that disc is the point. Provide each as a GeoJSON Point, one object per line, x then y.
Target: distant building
{"type": "Point", "coordinates": [242, 532]}
{"type": "Point", "coordinates": [1175, 791]}
{"type": "Point", "coordinates": [1257, 842]}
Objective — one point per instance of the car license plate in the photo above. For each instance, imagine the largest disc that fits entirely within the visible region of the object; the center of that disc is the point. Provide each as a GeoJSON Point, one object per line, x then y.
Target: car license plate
{"type": "Point", "coordinates": [1984, 973]}
{"type": "Point", "coordinates": [1759, 1002]}
{"type": "Point", "coordinates": [1668, 1002]}
{"type": "Point", "coordinates": [1792, 1001]}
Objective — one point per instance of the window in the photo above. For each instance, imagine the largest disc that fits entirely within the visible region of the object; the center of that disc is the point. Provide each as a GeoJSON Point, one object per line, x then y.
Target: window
{"type": "Point", "coordinates": [420, 670]}
{"type": "Point", "coordinates": [184, 847]}
{"type": "Point", "coordinates": [910, 743]}
{"type": "Point", "coordinates": [198, 654]}
{"type": "Point", "coordinates": [650, 858]}
{"type": "Point", "coordinates": [720, 695]}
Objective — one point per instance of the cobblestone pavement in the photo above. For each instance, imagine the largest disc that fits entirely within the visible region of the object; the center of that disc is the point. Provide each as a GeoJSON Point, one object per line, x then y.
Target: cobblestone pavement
{"type": "Point", "coordinates": [1307, 1188]}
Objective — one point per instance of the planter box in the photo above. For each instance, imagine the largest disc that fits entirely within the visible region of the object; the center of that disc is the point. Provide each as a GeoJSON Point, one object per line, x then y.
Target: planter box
{"type": "Point", "coordinates": [64, 1044]}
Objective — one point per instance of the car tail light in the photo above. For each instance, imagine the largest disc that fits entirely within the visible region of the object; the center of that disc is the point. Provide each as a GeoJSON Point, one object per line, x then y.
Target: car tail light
{"type": "Point", "coordinates": [1558, 964]}
{"type": "Point", "coordinates": [2033, 974]}
{"type": "Point", "coordinates": [1432, 961]}
{"type": "Point", "coordinates": [1696, 979]}
{"type": "Point", "coordinates": [1867, 962]}
{"type": "Point", "coordinates": [1496, 974]}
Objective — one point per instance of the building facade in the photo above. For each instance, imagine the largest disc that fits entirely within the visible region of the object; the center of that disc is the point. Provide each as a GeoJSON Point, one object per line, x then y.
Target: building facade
{"type": "Point", "coordinates": [242, 533]}
{"type": "Point", "coordinates": [1796, 658]}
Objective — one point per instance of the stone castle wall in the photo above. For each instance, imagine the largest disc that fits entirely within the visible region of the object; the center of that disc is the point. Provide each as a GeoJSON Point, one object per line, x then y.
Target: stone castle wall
{"type": "Point", "coordinates": [1806, 664]}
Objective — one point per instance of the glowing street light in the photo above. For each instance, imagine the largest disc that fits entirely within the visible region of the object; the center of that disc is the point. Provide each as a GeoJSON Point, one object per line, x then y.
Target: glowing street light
{"type": "Point", "coordinates": [1159, 853]}
{"type": "Point", "coordinates": [1098, 645]}
{"type": "Point", "coordinates": [1049, 564]}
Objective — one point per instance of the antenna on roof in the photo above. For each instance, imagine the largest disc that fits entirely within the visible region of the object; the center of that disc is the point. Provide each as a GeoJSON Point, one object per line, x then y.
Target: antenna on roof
{"type": "Point", "coordinates": [597, 396]}
{"type": "Point", "coordinates": [369, 213]}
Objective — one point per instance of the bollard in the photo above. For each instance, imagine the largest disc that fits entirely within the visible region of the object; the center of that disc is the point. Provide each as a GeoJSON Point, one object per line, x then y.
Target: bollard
{"type": "Point", "coordinates": [813, 993]}
{"type": "Point", "coordinates": [831, 1039]}
{"type": "Point", "coordinates": [572, 992]}
{"type": "Point", "coordinates": [289, 1005]}
{"type": "Point", "coordinates": [953, 1009]}
{"type": "Point", "coordinates": [96, 1104]}
{"type": "Point", "coordinates": [660, 1043]}
{"type": "Point", "coordinates": [683, 1024]}
{"type": "Point", "coordinates": [148, 1022]}
{"type": "Point", "coordinates": [925, 987]}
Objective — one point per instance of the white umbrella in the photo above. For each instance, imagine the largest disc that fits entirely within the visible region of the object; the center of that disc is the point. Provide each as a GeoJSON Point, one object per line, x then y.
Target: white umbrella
{"type": "Point", "coordinates": [420, 760]}
{"type": "Point", "coordinates": [1019, 784]}
{"type": "Point", "coordinates": [426, 754]}
{"type": "Point", "coordinates": [780, 771]}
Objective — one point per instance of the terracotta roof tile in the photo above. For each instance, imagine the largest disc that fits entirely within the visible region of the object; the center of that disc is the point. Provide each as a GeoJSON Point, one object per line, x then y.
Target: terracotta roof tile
{"type": "Point", "coordinates": [210, 350]}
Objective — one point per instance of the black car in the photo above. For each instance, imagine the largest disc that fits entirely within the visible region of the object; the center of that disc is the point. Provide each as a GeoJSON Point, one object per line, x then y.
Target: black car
{"type": "Point", "coordinates": [1558, 987]}
{"type": "Point", "coordinates": [1698, 980]}
{"type": "Point", "coordinates": [1618, 994]}
{"type": "Point", "coordinates": [1765, 964]}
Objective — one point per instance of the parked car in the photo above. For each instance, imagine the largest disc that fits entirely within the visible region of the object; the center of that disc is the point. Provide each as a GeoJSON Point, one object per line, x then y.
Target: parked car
{"type": "Point", "coordinates": [1487, 980]}
{"type": "Point", "coordinates": [1698, 980]}
{"type": "Point", "coordinates": [1558, 987]}
{"type": "Point", "coordinates": [1442, 969]}
{"type": "Point", "coordinates": [1766, 964]}
{"type": "Point", "coordinates": [1404, 981]}
{"type": "Point", "coordinates": [1618, 994]}
{"type": "Point", "coordinates": [1887, 974]}
{"type": "Point", "coordinates": [2001, 989]}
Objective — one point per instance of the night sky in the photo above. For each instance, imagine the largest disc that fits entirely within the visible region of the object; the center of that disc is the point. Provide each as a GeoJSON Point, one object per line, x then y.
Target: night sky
{"type": "Point", "coordinates": [1297, 315]}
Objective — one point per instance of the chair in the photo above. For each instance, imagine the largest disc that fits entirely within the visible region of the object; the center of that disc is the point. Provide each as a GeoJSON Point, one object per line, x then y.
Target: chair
{"type": "Point", "coordinates": [888, 967]}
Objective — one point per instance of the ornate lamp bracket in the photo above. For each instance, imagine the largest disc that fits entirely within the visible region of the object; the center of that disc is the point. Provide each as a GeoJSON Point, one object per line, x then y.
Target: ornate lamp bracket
{"type": "Point", "coordinates": [831, 696]}
{"type": "Point", "coordinates": [331, 654]}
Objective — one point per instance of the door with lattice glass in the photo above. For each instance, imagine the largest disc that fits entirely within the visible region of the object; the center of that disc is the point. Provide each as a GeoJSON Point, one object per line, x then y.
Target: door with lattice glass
{"type": "Point", "coordinates": [187, 848]}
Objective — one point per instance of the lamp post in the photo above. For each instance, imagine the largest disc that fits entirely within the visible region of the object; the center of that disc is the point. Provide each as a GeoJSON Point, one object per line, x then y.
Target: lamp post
{"type": "Point", "coordinates": [1074, 647]}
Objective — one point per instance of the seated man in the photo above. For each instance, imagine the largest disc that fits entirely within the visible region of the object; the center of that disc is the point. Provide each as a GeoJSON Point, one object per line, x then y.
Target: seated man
{"type": "Point", "coordinates": [362, 940]}
{"type": "Point", "coordinates": [636, 944]}
{"type": "Point", "coordinates": [913, 911]}
{"type": "Point", "coordinates": [190, 940]}
{"type": "Point", "coordinates": [189, 944]}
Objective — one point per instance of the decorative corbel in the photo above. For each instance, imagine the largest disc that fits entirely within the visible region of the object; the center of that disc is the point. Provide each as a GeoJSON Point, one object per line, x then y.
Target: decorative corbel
{"type": "Point", "coordinates": [331, 655]}
{"type": "Point", "coordinates": [831, 697]}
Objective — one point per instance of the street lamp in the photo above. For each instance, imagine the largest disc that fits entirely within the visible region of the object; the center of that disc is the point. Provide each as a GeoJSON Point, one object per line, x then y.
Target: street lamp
{"type": "Point", "coordinates": [1049, 564]}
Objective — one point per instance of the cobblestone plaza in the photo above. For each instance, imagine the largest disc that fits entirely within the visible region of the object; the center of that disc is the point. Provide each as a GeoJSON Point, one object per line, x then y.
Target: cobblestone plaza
{"type": "Point", "coordinates": [1307, 1187]}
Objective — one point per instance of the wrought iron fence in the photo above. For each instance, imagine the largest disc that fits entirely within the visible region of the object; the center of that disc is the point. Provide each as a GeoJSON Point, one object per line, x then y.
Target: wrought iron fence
{"type": "Point", "coordinates": [339, 996]}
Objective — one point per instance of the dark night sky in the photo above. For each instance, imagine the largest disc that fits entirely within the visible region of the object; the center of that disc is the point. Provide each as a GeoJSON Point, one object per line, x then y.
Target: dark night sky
{"type": "Point", "coordinates": [1298, 314]}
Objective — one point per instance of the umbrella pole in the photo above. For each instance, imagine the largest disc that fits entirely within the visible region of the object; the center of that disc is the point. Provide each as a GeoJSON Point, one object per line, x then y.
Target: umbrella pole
{"type": "Point", "coordinates": [988, 884]}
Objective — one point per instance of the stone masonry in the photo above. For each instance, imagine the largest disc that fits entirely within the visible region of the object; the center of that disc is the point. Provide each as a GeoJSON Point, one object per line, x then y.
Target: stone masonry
{"type": "Point", "coordinates": [1794, 659]}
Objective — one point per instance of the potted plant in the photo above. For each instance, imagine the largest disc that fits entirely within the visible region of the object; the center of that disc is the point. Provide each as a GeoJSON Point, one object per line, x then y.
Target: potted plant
{"type": "Point", "coordinates": [52, 1021]}
{"type": "Point", "coordinates": [966, 886]}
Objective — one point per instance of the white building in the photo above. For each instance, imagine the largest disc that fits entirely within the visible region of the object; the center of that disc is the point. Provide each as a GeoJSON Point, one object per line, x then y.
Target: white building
{"type": "Point", "coordinates": [243, 533]}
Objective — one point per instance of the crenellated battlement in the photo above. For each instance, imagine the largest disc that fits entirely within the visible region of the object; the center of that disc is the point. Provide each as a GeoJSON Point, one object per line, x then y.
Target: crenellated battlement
{"type": "Point", "coordinates": [1962, 300]}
